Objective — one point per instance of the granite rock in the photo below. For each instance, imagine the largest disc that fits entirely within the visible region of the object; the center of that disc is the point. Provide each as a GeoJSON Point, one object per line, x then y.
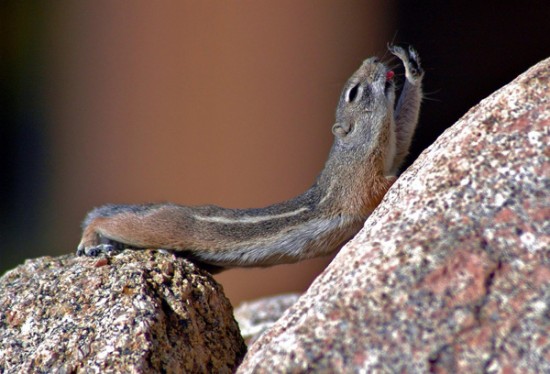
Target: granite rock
{"type": "Point", "coordinates": [138, 311]}
{"type": "Point", "coordinates": [255, 317]}
{"type": "Point", "coordinates": [452, 272]}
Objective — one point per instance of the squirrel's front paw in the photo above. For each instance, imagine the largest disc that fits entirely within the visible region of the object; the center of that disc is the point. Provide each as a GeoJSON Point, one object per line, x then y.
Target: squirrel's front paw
{"type": "Point", "coordinates": [410, 59]}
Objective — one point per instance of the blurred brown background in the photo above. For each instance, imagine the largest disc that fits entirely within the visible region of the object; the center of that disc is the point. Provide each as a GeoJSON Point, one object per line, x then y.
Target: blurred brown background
{"type": "Point", "coordinates": [228, 103]}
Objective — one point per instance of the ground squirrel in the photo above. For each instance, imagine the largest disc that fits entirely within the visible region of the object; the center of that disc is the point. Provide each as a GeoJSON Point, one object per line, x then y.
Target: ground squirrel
{"type": "Point", "coordinates": [372, 137]}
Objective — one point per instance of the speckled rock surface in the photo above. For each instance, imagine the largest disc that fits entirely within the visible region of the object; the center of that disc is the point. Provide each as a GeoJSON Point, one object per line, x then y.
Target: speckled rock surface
{"type": "Point", "coordinates": [254, 317]}
{"type": "Point", "coordinates": [452, 272]}
{"type": "Point", "coordinates": [139, 311]}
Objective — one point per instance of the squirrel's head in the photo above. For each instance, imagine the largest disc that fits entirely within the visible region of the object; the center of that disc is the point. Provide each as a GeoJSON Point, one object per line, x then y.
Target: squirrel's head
{"type": "Point", "coordinates": [366, 104]}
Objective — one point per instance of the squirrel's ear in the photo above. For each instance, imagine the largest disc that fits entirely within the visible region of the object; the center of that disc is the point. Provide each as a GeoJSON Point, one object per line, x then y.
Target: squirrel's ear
{"type": "Point", "coordinates": [341, 129]}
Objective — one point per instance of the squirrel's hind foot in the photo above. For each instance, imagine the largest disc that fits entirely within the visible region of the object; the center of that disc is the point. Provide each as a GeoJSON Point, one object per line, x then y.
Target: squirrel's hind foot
{"type": "Point", "coordinates": [95, 250]}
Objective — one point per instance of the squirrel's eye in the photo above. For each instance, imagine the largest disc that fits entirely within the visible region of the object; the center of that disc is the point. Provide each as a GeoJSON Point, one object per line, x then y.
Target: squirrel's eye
{"type": "Point", "coordinates": [352, 93]}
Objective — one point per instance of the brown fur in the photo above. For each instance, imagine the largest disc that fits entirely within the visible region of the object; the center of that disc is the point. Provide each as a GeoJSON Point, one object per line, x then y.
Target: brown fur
{"type": "Point", "coordinates": [315, 223]}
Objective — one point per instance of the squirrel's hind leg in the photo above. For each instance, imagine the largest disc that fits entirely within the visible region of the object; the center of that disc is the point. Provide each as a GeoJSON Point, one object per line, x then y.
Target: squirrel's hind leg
{"type": "Point", "coordinates": [93, 243]}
